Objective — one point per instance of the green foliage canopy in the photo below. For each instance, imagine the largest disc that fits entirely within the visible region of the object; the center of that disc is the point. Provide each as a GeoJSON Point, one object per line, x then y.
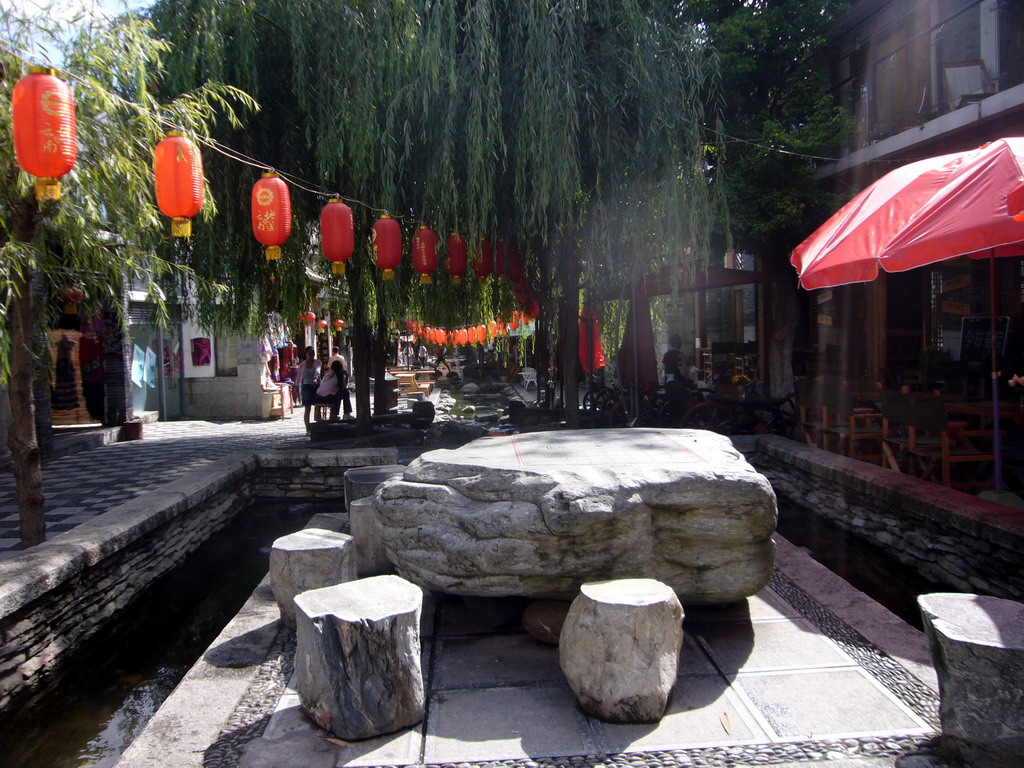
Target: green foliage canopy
{"type": "Point", "coordinates": [538, 122]}
{"type": "Point", "coordinates": [106, 232]}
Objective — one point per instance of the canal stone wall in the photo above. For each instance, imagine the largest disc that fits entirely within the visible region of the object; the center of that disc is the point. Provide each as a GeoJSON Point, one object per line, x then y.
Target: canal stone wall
{"type": "Point", "coordinates": [55, 596]}
{"type": "Point", "coordinates": [951, 537]}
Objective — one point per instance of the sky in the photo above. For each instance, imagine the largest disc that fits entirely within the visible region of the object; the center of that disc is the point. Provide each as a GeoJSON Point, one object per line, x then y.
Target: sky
{"type": "Point", "coordinates": [66, 10]}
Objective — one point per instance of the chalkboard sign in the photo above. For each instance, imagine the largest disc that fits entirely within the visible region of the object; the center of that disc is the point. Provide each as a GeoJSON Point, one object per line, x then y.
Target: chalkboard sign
{"type": "Point", "coordinates": [976, 338]}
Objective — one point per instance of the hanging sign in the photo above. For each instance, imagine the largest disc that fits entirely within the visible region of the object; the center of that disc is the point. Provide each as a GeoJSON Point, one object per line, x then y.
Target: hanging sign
{"type": "Point", "coordinates": [825, 320]}
{"type": "Point", "coordinates": [823, 297]}
{"type": "Point", "coordinates": [976, 337]}
{"type": "Point", "coordinates": [955, 308]}
{"type": "Point", "coordinates": [956, 283]}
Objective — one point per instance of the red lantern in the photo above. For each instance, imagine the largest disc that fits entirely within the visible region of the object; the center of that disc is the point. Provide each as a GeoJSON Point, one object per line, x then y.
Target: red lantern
{"type": "Point", "coordinates": [502, 327]}
{"type": "Point", "coordinates": [321, 324]}
{"type": "Point", "coordinates": [492, 329]}
{"type": "Point", "coordinates": [514, 265]}
{"type": "Point", "coordinates": [424, 253]}
{"type": "Point", "coordinates": [387, 245]}
{"type": "Point", "coordinates": [462, 336]}
{"type": "Point", "coordinates": [71, 297]}
{"type": "Point", "coordinates": [271, 213]}
{"type": "Point", "coordinates": [514, 325]}
{"type": "Point", "coordinates": [339, 325]}
{"type": "Point", "coordinates": [337, 240]}
{"type": "Point", "coordinates": [481, 333]}
{"type": "Point", "coordinates": [309, 318]}
{"type": "Point", "coordinates": [178, 170]}
{"type": "Point", "coordinates": [457, 256]}
{"type": "Point", "coordinates": [499, 258]}
{"type": "Point", "coordinates": [45, 143]}
{"type": "Point", "coordinates": [484, 264]}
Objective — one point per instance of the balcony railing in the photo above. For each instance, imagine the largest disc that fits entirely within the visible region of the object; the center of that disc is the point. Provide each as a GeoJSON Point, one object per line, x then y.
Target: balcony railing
{"type": "Point", "coordinates": [913, 73]}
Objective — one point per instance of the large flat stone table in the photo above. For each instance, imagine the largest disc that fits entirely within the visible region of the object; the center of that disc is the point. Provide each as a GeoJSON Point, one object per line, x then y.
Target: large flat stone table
{"type": "Point", "coordinates": [540, 514]}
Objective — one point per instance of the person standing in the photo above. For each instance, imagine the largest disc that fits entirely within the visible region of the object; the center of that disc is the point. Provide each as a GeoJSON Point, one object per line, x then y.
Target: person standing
{"type": "Point", "coordinates": [308, 377]}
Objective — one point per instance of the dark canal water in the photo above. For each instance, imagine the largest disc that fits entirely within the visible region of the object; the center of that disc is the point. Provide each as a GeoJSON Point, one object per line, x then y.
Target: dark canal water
{"type": "Point", "coordinates": [858, 562]}
{"type": "Point", "coordinates": [120, 679]}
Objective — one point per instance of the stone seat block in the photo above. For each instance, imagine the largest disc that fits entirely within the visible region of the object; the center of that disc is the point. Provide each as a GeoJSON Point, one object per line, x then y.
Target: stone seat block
{"type": "Point", "coordinates": [619, 648]}
{"type": "Point", "coordinates": [371, 558]}
{"type": "Point", "coordinates": [309, 559]}
{"type": "Point", "coordinates": [357, 656]}
{"type": "Point", "coordinates": [361, 482]}
{"type": "Point", "coordinates": [977, 645]}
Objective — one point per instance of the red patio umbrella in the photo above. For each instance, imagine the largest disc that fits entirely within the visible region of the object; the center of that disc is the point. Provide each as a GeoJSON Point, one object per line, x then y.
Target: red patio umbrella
{"type": "Point", "coordinates": [933, 210]}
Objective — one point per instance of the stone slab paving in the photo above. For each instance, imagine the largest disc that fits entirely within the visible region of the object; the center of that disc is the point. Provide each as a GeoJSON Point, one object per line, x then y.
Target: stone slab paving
{"type": "Point", "coordinates": [779, 679]}
{"type": "Point", "coordinates": [88, 483]}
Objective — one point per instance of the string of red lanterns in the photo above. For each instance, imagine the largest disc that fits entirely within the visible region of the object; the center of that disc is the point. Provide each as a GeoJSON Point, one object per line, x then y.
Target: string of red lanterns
{"type": "Point", "coordinates": [474, 334]}
{"type": "Point", "coordinates": [45, 143]}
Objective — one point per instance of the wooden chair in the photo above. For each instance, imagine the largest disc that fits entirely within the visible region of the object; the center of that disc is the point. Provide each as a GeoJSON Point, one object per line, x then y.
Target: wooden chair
{"type": "Point", "coordinates": [855, 431]}
{"type": "Point", "coordinates": [910, 421]}
{"type": "Point", "coordinates": [928, 445]}
{"type": "Point", "coordinates": [809, 395]}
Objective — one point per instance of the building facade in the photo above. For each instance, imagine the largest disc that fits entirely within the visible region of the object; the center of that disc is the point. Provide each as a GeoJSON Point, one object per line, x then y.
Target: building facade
{"type": "Point", "coordinates": [922, 78]}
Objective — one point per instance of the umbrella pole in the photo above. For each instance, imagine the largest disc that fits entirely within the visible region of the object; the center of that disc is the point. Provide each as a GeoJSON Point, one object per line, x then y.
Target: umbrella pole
{"type": "Point", "coordinates": [997, 440]}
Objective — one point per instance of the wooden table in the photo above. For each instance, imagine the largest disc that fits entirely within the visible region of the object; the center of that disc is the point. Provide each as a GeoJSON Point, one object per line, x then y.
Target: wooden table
{"type": "Point", "coordinates": [1009, 411]}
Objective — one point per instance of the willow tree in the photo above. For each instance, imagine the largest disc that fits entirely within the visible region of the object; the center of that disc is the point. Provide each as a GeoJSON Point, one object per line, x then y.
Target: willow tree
{"type": "Point", "coordinates": [575, 130]}
{"type": "Point", "coordinates": [105, 231]}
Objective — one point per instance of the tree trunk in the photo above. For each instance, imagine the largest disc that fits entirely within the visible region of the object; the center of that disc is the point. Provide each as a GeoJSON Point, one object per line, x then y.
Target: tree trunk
{"type": "Point", "coordinates": [362, 364]}
{"type": "Point", "coordinates": [569, 335]}
{"type": "Point", "coordinates": [380, 366]}
{"type": "Point", "coordinates": [21, 439]}
{"type": "Point", "coordinates": [780, 341]}
{"type": "Point", "coordinates": [542, 339]}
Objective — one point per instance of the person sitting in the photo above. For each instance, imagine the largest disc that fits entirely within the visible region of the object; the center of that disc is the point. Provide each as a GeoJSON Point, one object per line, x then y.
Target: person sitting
{"type": "Point", "coordinates": [672, 361]}
{"type": "Point", "coordinates": [334, 388]}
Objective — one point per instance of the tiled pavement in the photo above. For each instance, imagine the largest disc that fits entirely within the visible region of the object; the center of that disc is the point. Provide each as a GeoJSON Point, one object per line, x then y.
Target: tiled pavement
{"type": "Point", "coordinates": [779, 679]}
{"type": "Point", "coordinates": [85, 484]}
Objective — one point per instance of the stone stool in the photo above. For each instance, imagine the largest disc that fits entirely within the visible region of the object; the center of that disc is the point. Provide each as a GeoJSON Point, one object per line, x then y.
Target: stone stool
{"type": "Point", "coordinates": [977, 646]}
{"type": "Point", "coordinates": [361, 482]}
{"type": "Point", "coordinates": [371, 559]}
{"type": "Point", "coordinates": [619, 648]}
{"type": "Point", "coordinates": [329, 521]}
{"type": "Point", "coordinates": [357, 656]}
{"type": "Point", "coordinates": [309, 559]}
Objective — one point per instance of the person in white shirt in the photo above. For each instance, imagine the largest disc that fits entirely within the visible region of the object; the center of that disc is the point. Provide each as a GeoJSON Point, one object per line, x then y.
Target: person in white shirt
{"type": "Point", "coordinates": [308, 377]}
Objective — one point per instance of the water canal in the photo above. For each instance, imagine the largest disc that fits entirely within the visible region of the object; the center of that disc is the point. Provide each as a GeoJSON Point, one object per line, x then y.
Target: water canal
{"type": "Point", "coordinates": [119, 680]}
{"type": "Point", "coordinates": [123, 676]}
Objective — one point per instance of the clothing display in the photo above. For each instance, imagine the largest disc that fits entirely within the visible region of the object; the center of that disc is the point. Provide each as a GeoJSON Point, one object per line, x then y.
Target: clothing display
{"type": "Point", "coordinates": [201, 351]}
{"type": "Point", "coordinates": [65, 387]}
{"type": "Point", "coordinates": [91, 366]}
